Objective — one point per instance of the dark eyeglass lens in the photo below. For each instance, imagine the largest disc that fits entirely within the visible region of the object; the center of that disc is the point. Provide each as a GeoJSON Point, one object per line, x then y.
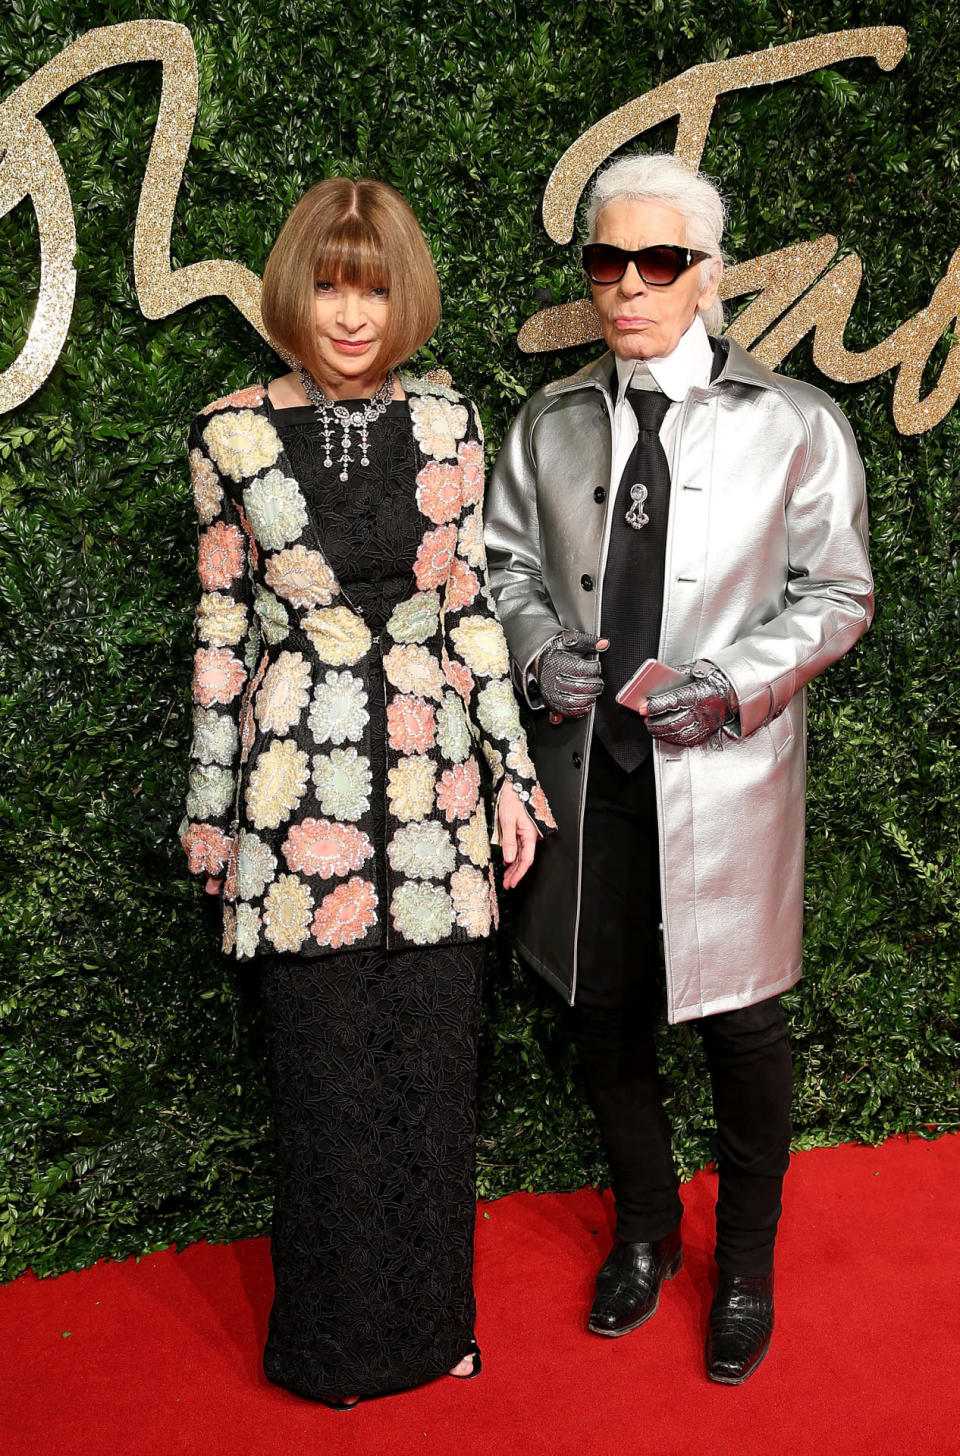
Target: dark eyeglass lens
{"type": "Point", "coordinates": [605, 264]}
{"type": "Point", "coordinates": [659, 265]}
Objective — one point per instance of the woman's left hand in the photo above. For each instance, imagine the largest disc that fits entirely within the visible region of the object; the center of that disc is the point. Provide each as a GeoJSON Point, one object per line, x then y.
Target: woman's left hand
{"type": "Point", "coordinates": [518, 836]}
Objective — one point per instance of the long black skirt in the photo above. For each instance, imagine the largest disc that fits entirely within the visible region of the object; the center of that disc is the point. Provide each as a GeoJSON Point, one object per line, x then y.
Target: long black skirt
{"type": "Point", "coordinates": [372, 1070]}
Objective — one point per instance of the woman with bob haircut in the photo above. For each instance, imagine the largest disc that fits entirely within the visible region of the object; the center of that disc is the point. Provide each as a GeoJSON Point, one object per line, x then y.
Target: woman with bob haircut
{"type": "Point", "coordinates": [349, 666]}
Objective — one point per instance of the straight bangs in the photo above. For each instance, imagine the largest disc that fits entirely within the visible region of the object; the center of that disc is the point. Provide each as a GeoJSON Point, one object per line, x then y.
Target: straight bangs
{"type": "Point", "coordinates": [362, 235]}
{"type": "Point", "coordinates": [352, 253]}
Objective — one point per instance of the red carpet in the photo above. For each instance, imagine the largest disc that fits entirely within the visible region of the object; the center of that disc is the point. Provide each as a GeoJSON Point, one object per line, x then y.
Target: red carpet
{"type": "Point", "coordinates": [162, 1357]}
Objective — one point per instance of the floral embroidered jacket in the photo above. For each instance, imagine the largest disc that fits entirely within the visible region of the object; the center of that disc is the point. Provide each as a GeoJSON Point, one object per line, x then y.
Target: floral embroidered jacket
{"type": "Point", "coordinates": [279, 802]}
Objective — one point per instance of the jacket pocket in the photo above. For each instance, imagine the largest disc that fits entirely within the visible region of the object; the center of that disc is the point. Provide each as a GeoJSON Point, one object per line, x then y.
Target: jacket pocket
{"type": "Point", "coordinates": [780, 729]}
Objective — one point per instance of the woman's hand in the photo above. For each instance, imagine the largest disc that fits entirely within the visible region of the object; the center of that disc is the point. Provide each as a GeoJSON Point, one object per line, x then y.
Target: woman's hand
{"type": "Point", "coordinates": [518, 836]}
{"type": "Point", "coordinates": [212, 886]}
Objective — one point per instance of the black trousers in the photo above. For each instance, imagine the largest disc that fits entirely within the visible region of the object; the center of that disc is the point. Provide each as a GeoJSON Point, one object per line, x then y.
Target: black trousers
{"type": "Point", "coordinates": [617, 1002]}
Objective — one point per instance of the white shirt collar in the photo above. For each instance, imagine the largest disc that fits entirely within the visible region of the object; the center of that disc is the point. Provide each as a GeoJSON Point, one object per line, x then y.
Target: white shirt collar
{"type": "Point", "coordinates": [688, 367]}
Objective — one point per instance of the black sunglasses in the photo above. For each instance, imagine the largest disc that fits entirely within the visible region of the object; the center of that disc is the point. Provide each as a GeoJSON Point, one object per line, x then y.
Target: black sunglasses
{"type": "Point", "coordinates": [658, 266]}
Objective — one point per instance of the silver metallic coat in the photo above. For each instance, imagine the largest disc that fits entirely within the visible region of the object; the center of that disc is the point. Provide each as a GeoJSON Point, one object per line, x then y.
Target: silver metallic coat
{"type": "Point", "coordinates": [767, 576]}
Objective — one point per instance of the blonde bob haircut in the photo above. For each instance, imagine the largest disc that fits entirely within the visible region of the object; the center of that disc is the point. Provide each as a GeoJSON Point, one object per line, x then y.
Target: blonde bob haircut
{"type": "Point", "coordinates": [362, 234]}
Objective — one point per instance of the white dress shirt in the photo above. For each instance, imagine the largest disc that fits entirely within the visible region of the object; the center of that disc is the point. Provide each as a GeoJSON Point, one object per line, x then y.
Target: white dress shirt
{"type": "Point", "coordinates": [688, 367]}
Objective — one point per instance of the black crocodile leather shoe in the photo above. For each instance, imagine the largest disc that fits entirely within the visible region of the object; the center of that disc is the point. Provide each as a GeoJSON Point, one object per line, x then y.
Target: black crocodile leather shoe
{"type": "Point", "coordinates": [741, 1324]}
{"type": "Point", "coordinates": [628, 1284]}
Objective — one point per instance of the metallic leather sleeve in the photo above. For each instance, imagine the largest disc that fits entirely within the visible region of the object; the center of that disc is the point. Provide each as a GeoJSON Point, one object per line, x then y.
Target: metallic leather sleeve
{"type": "Point", "coordinates": [512, 538]}
{"type": "Point", "coordinates": [827, 587]}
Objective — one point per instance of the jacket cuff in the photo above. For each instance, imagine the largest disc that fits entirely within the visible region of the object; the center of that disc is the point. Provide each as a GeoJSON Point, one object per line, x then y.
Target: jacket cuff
{"type": "Point", "coordinates": [758, 699]}
{"type": "Point", "coordinates": [526, 677]}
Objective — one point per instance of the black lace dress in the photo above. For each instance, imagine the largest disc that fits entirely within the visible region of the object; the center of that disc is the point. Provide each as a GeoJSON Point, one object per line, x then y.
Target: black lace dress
{"type": "Point", "coordinates": [371, 1054]}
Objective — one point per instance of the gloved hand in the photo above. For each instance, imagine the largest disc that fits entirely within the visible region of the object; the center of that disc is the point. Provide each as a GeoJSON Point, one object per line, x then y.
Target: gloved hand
{"type": "Point", "coordinates": [694, 711]}
{"type": "Point", "coordinates": [567, 675]}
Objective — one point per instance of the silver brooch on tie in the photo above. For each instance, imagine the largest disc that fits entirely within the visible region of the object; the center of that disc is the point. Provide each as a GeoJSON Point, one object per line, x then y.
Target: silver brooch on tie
{"type": "Point", "coordinates": [636, 516]}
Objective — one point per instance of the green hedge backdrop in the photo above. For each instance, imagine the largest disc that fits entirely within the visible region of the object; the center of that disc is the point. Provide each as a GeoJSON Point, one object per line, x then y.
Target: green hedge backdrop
{"type": "Point", "coordinates": [133, 1108]}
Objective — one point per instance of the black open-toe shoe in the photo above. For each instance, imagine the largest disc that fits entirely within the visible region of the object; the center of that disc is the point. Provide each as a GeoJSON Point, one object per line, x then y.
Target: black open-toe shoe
{"type": "Point", "coordinates": [476, 1367]}
{"type": "Point", "coordinates": [341, 1405]}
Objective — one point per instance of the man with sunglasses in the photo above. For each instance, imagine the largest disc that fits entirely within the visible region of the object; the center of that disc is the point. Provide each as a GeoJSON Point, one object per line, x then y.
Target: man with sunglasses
{"type": "Point", "coordinates": [676, 500]}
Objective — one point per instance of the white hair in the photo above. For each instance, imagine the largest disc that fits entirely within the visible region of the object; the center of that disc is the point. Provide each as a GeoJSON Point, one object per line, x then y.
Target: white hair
{"type": "Point", "coordinates": [659, 177]}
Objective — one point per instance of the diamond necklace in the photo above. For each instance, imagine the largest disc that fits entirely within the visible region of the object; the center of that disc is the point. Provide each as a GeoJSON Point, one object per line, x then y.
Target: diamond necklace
{"type": "Point", "coordinates": [331, 414]}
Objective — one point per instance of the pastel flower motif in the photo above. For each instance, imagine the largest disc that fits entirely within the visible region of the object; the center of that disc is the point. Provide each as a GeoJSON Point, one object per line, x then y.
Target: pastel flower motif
{"type": "Point", "coordinates": [256, 866]}
{"type": "Point", "coordinates": [519, 760]}
{"type": "Point", "coordinates": [474, 838]}
{"type": "Point", "coordinates": [338, 635]}
{"type": "Point", "coordinates": [317, 847]}
{"type": "Point", "coordinates": [497, 710]}
{"type": "Point", "coordinates": [220, 555]}
{"type": "Point", "coordinates": [252, 544]}
{"type": "Point", "coordinates": [284, 694]}
{"type": "Point", "coordinates": [470, 543]}
{"type": "Point", "coordinates": [438, 492]}
{"type": "Point", "coordinates": [287, 908]}
{"type": "Point", "coordinates": [272, 615]}
{"type": "Point", "coordinates": [422, 913]}
{"type": "Point", "coordinates": [241, 443]}
{"type": "Point", "coordinates": [206, 847]}
{"type": "Point", "coordinates": [462, 586]}
{"type": "Point", "coordinates": [422, 851]}
{"type": "Point", "coordinates": [220, 620]}
{"type": "Point", "coordinates": [229, 937]}
{"type": "Point", "coordinates": [416, 619]}
{"type": "Point", "coordinates": [301, 577]}
{"type": "Point", "coordinates": [494, 903]}
{"type": "Point", "coordinates": [343, 781]}
{"type": "Point", "coordinates": [470, 894]}
{"type": "Point", "coordinates": [481, 644]}
{"type": "Point", "coordinates": [414, 670]}
{"type": "Point", "coordinates": [470, 456]}
{"type": "Point", "coordinates": [248, 931]}
{"type": "Point", "coordinates": [207, 490]}
{"type": "Point", "coordinates": [432, 566]}
{"type": "Point", "coordinates": [539, 805]}
{"type": "Point", "coordinates": [411, 725]}
{"type": "Point", "coordinates": [214, 737]}
{"type": "Point", "coordinates": [460, 678]}
{"type": "Point", "coordinates": [438, 424]}
{"type": "Point", "coordinates": [230, 875]}
{"type": "Point", "coordinates": [251, 648]}
{"type": "Point", "coordinates": [277, 783]}
{"type": "Point", "coordinates": [410, 788]}
{"type": "Point", "coordinates": [217, 675]}
{"type": "Point", "coordinates": [276, 509]}
{"type": "Point", "coordinates": [346, 914]}
{"type": "Point", "coordinates": [210, 791]}
{"type": "Point", "coordinates": [252, 395]}
{"type": "Point", "coordinates": [248, 729]}
{"type": "Point", "coordinates": [458, 790]}
{"type": "Point", "coordinates": [339, 709]}
{"type": "Point", "coordinates": [494, 760]}
{"type": "Point", "coordinates": [453, 735]}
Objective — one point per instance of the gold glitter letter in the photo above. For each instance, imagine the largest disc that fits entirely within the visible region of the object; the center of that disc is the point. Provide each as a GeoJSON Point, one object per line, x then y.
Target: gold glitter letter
{"type": "Point", "coordinates": [30, 167]}
{"type": "Point", "coordinates": [691, 97]}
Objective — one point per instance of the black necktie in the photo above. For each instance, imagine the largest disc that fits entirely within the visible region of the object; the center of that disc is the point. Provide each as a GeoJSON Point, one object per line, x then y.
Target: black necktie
{"type": "Point", "coordinates": [633, 582]}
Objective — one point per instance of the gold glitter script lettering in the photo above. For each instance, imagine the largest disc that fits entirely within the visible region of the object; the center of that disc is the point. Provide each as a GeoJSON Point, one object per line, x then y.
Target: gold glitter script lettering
{"type": "Point", "coordinates": [822, 300]}
{"type": "Point", "coordinates": [30, 168]}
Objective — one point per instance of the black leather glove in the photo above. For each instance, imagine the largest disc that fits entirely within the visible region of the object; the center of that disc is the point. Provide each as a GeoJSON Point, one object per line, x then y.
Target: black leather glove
{"type": "Point", "coordinates": [694, 711]}
{"type": "Point", "coordinates": [568, 673]}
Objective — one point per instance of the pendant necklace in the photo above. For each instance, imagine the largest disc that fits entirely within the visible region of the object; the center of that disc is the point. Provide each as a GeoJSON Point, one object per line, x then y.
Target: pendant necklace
{"type": "Point", "coordinates": [332, 415]}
